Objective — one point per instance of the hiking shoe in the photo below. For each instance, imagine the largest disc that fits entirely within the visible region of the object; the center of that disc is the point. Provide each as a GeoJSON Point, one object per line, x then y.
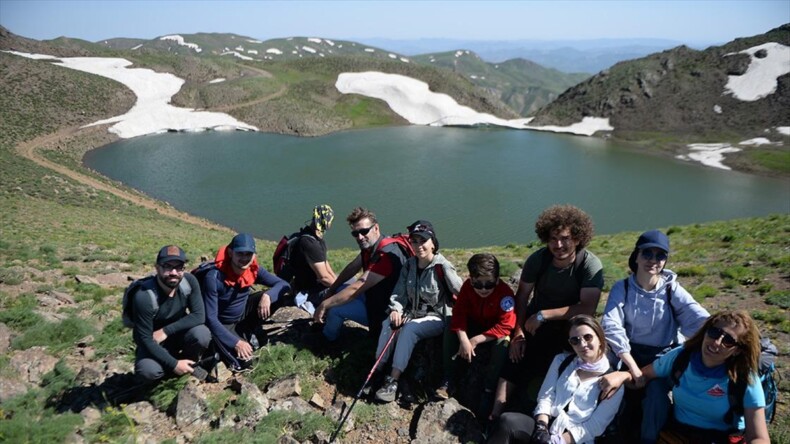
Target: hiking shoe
{"type": "Point", "coordinates": [443, 391]}
{"type": "Point", "coordinates": [375, 381]}
{"type": "Point", "coordinates": [388, 391]}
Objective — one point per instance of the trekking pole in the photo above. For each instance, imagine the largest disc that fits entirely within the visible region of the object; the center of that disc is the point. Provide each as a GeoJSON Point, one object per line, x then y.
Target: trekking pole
{"type": "Point", "coordinates": [367, 380]}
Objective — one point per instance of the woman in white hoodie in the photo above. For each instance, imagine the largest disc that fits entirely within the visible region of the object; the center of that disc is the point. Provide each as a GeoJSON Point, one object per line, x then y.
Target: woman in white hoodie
{"type": "Point", "coordinates": [646, 315]}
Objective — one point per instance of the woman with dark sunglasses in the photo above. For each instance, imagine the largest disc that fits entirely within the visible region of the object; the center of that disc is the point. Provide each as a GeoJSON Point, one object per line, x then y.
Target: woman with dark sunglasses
{"type": "Point", "coordinates": [726, 348]}
{"type": "Point", "coordinates": [419, 305]}
{"type": "Point", "coordinates": [569, 407]}
{"type": "Point", "coordinates": [642, 320]}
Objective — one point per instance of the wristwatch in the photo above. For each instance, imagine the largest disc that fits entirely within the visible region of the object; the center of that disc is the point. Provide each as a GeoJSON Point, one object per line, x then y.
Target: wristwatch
{"type": "Point", "coordinates": [540, 317]}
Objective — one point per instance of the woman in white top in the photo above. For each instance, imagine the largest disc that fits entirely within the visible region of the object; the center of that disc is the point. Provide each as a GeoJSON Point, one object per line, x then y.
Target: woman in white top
{"type": "Point", "coordinates": [568, 409]}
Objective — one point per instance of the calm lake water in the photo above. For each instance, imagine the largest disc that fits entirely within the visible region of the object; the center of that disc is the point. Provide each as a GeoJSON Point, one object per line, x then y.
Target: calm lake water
{"type": "Point", "coordinates": [479, 187]}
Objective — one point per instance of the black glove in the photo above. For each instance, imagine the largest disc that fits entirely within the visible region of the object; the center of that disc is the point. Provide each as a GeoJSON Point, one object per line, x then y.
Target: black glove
{"type": "Point", "coordinates": [541, 434]}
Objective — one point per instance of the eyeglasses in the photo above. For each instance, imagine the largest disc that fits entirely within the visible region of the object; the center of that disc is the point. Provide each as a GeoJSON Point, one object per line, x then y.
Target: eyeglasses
{"type": "Point", "coordinates": [362, 231]}
{"type": "Point", "coordinates": [483, 285]}
{"type": "Point", "coordinates": [726, 339]}
{"type": "Point", "coordinates": [648, 255]}
{"type": "Point", "coordinates": [169, 268]}
{"type": "Point", "coordinates": [418, 240]}
{"type": "Point", "coordinates": [576, 340]}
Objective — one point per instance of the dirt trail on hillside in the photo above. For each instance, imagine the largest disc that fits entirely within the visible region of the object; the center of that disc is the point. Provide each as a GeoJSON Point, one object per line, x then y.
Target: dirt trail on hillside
{"type": "Point", "coordinates": [274, 95]}
{"type": "Point", "coordinates": [29, 149]}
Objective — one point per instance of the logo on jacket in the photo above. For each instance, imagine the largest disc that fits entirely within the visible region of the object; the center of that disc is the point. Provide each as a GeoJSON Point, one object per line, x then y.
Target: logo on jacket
{"type": "Point", "coordinates": [716, 391]}
{"type": "Point", "coordinates": [507, 303]}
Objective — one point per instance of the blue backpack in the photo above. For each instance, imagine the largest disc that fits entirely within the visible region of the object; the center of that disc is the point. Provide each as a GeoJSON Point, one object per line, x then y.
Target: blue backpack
{"type": "Point", "coordinates": [737, 390]}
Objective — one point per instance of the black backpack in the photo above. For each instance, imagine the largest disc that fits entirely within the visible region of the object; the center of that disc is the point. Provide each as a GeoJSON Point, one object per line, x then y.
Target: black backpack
{"type": "Point", "coordinates": [737, 390]}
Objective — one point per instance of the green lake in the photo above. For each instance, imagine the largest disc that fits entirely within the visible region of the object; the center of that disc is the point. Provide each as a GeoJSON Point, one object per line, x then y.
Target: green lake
{"type": "Point", "coordinates": [479, 187]}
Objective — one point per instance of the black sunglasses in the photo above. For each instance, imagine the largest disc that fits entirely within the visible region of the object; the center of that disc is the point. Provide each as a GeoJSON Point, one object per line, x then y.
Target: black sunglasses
{"type": "Point", "coordinates": [726, 339]}
{"type": "Point", "coordinates": [576, 340]}
{"type": "Point", "coordinates": [648, 255]}
{"type": "Point", "coordinates": [362, 231]}
{"type": "Point", "coordinates": [483, 285]}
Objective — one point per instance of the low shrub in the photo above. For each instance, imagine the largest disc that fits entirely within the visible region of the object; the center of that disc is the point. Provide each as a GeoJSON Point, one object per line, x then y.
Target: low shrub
{"type": "Point", "coordinates": [779, 298]}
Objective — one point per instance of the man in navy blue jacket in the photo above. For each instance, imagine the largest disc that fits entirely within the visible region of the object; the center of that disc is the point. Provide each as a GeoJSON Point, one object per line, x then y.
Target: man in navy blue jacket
{"type": "Point", "coordinates": [232, 312]}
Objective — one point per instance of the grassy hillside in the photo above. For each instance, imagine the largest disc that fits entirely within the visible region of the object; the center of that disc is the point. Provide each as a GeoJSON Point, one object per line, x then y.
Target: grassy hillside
{"type": "Point", "coordinates": [54, 228]}
{"type": "Point", "coordinates": [523, 85]}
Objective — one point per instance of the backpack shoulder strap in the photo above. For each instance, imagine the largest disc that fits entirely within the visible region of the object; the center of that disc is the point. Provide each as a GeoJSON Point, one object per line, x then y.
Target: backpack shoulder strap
{"type": "Point", "coordinates": [680, 365]}
{"type": "Point", "coordinates": [625, 290]}
{"type": "Point", "coordinates": [565, 363]}
{"type": "Point", "coordinates": [735, 393]}
{"type": "Point", "coordinates": [581, 256]}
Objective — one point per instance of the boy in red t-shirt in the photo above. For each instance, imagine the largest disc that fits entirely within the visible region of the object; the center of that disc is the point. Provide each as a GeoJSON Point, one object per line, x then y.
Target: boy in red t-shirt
{"type": "Point", "coordinates": [483, 314]}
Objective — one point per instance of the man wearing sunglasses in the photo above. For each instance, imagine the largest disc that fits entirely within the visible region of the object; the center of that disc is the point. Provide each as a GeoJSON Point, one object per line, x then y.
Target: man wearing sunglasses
{"type": "Point", "coordinates": [168, 316]}
{"type": "Point", "coordinates": [365, 300]}
{"type": "Point", "coordinates": [567, 281]}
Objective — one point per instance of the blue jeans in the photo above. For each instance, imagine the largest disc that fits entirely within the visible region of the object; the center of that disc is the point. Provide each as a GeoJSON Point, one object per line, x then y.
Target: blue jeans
{"type": "Point", "coordinates": [655, 408]}
{"type": "Point", "coordinates": [354, 310]}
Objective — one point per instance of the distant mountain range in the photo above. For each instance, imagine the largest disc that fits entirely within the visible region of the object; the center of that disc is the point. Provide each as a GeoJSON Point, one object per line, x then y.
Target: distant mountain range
{"type": "Point", "coordinates": [571, 56]}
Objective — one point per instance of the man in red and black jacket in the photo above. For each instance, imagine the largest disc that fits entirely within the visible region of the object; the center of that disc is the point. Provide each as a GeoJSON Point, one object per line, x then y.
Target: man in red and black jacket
{"type": "Point", "coordinates": [365, 300]}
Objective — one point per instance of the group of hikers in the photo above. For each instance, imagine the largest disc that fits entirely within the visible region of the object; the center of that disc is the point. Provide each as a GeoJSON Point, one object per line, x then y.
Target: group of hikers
{"type": "Point", "coordinates": [654, 339]}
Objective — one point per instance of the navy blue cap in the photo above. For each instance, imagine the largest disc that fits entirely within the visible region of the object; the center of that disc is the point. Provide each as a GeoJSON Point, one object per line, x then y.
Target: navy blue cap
{"type": "Point", "coordinates": [243, 243]}
{"type": "Point", "coordinates": [653, 239]}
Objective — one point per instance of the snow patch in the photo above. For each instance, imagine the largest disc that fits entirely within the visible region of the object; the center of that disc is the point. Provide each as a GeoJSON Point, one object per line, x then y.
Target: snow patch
{"type": "Point", "coordinates": [314, 40]}
{"type": "Point", "coordinates": [392, 56]}
{"type": "Point", "coordinates": [309, 49]}
{"type": "Point", "coordinates": [370, 50]}
{"type": "Point", "coordinates": [757, 141]}
{"type": "Point", "coordinates": [152, 112]}
{"type": "Point", "coordinates": [236, 54]}
{"type": "Point", "coordinates": [717, 109]}
{"type": "Point", "coordinates": [254, 41]}
{"type": "Point", "coordinates": [411, 99]}
{"type": "Point", "coordinates": [219, 80]}
{"type": "Point", "coordinates": [710, 154]}
{"type": "Point", "coordinates": [180, 41]}
{"type": "Point", "coordinates": [459, 53]}
{"type": "Point", "coordinates": [252, 51]}
{"type": "Point", "coordinates": [239, 48]}
{"type": "Point", "coordinates": [329, 42]}
{"type": "Point", "coordinates": [137, 47]}
{"type": "Point", "coordinates": [33, 56]}
{"type": "Point", "coordinates": [760, 78]}
{"type": "Point", "coordinates": [404, 60]}
{"type": "Point", "coordinates": [784, 130]}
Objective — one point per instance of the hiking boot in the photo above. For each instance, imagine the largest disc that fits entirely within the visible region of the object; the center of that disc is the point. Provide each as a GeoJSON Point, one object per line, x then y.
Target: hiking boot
{"type": "Point", "coordinates": [407, 398]}
{"type": "Point", "coordinates": [388, 391]}
{"type": "Point", "coordinates": [443, 391]}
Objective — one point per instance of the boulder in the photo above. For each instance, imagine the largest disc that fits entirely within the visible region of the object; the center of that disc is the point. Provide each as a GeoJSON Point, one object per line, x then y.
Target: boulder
{"type": "Point", "coordinates": [284, 388]}
{"type": "Point", "coordinates": [5, 338]}
{"type": "Point", "coordinates": [446, 421]}
{"type": "Point", "coordinates": [337, 410]}
{"type": "Point", "coordinates": [32, 364]}
{"type": "Point", "coordinates": [10, 388]}
{"type": "Point", "coordinates": [294, 404]}
{"type": "Point", "coordinates": [191, 406]}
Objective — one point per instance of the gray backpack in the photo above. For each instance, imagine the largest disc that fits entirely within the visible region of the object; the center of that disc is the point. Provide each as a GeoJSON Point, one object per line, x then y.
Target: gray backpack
{"type": "Point", "coordinates": [128, 296]}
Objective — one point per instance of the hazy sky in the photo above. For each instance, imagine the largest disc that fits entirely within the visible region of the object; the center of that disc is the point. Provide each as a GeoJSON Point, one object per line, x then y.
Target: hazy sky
{"type": "Point", "coordinates": [709, 21]}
